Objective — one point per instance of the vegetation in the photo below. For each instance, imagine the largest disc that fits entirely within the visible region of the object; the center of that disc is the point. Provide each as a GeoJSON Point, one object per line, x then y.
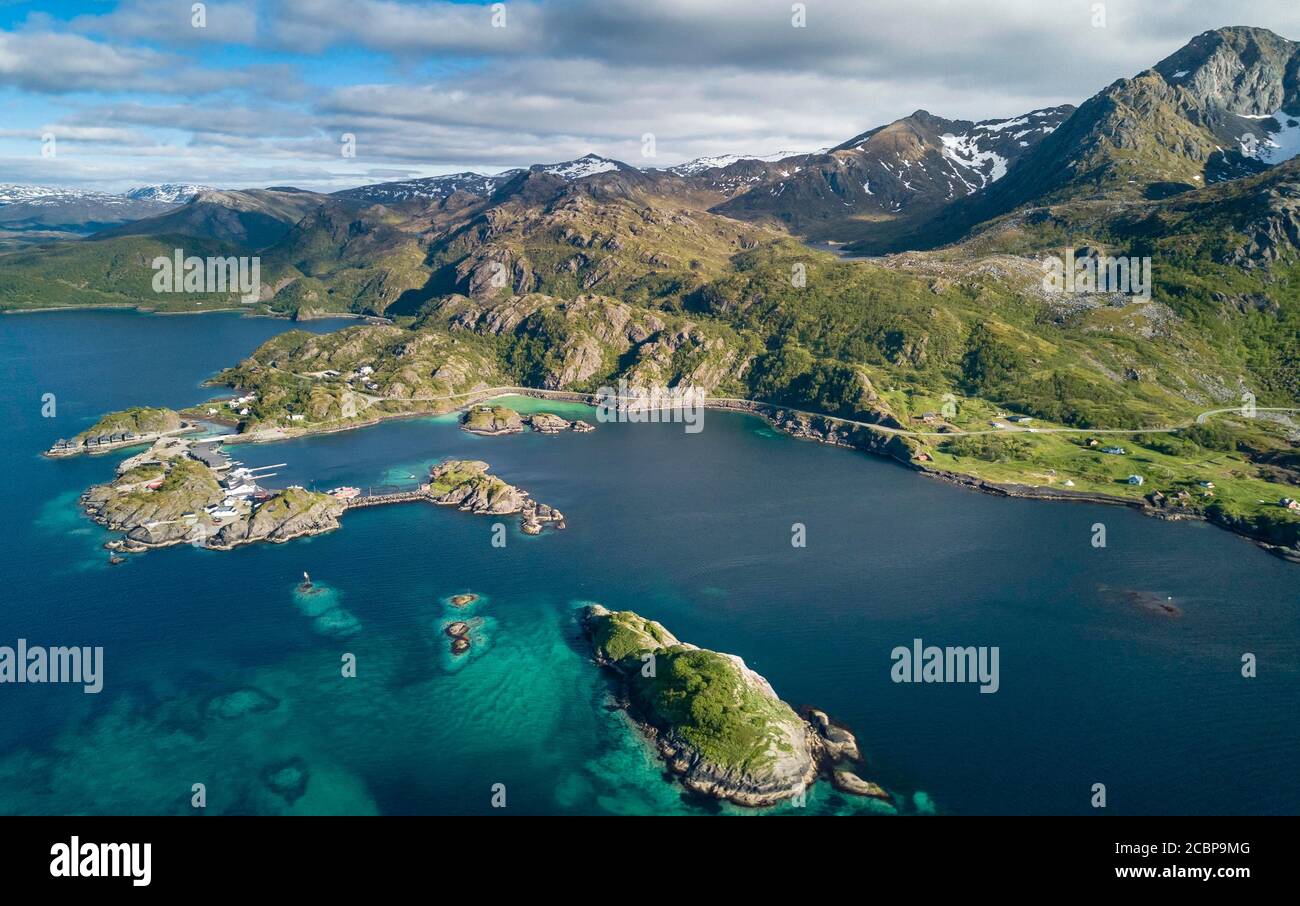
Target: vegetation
{"type": "Point", "coordinates": [702, 697]}
{"type": "Point", "coordinates": [138, 420]}
{"type": "Point", "coordinates": [491, 419]}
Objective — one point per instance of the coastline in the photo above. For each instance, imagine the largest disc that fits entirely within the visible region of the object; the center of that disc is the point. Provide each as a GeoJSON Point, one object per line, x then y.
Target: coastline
{"type": "Point", "coordinates": [878, 440]}
{"type": "Point", "coordinates": [243, 311]}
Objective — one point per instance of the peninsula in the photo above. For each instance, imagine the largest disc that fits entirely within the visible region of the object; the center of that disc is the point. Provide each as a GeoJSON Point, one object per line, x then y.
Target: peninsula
{"type": "Point", "coordinates": [127, 428]}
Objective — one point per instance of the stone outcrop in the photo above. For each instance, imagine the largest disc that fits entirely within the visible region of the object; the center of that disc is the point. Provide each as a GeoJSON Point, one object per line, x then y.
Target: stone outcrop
{"type": "Point", "coordinates": [492, 420]}
{"type": "Point", "coordinates": [290, 514]}
{"type": "Point", "coordinates": [466, 484]}
{"type": "Point", "coordinates": [718, 725]}
{"type": "Point", "coordinates": [164, 496]}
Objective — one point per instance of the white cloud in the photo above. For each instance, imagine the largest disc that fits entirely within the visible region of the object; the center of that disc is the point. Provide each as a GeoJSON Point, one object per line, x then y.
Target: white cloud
{"type": "Point", "coordinates": [566, 77]}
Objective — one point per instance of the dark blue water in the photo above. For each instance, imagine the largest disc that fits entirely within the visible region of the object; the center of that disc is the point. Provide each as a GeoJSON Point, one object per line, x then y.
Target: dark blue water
{"type": "Point", "coordinates": [691, 530]}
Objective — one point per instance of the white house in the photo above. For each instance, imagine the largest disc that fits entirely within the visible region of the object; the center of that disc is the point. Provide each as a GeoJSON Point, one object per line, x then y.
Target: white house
{"type": "Point", "coordinates": [1135, 479]}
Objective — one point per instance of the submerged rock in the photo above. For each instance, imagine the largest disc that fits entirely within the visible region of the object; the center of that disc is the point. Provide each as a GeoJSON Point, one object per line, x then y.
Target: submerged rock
{"type": "Point", "coordinates": [1146, 601]}
{"type": "Point", "coordinates": [240, 702]}
{"type": "Point", "coordinates": [287, 779]}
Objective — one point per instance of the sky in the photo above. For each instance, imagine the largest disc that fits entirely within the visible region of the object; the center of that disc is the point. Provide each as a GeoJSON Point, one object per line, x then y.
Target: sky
{"type": "Point", "coordinates": [113, 94]}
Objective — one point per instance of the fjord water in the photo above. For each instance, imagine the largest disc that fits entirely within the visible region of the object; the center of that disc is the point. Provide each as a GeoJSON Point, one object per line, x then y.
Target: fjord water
{"type": "Point", "coordinates": [218, 672]}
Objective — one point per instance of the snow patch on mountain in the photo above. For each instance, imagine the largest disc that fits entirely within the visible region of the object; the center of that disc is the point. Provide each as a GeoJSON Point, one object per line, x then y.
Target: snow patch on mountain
{"type": "Point", "coordinates": [588, 165]}
{"type": "Point", "coordinates": [429, 187]}
{"type": "Point", "coordinates": [12, 193]}
{"type": "Point", "coordinates": [701, 164]}
{"type": "Point", "coordinates": [965, 151]}
{"type": "Point", "coordinates": [1284, 144]}
{"type": "Point", "coordinates": [169, 193]}
{"type": "Point", "coordinates": [46, 196]}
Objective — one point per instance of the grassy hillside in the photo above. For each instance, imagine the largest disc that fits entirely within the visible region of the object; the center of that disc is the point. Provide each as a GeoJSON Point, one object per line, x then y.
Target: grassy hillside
{"type": "Point", "coordinates": [108, 272]}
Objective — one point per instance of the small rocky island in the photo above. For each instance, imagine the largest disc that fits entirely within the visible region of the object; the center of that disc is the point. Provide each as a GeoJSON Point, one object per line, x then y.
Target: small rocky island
{"type": "Point", "coordinates": [173, 494]}
{"type": "Point", "coordinates": [466, 484]}
{"type": "Point", "coordinates": [494, 420]}
{"type": "Point", "coordinates": [458, 632]}
{"type": "Point", "coordinates": [717, 724]}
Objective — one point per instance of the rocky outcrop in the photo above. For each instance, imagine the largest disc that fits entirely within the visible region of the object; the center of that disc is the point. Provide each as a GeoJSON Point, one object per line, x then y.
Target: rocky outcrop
{"type": "Point", "coordinates": [458, 632]}
{"type": "Point", "coordinates": [718, 725]}
{"type": "Point", "coordinates": [466, 484]}
{"type": "Point", "coordinates": [290, 514]}
{"type": "Point", "coordinates": [849, 782]}
{"type": "Point", "coordinates": [164, 496]}
{"type": "Point", "coordinates": [1273, 229]}
{"type": "Point", "coordinates": [492, 420]}
{"type": "Point", "coordinates": [546, 423]}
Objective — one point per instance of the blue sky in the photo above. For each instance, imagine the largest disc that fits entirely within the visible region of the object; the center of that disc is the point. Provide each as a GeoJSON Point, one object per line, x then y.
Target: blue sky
{"type": "Point", "coordinates": [133, 93]}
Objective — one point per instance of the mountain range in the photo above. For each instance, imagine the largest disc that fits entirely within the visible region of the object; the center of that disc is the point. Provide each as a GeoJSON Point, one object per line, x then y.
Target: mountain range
{"type": "Point", "coordinates": [728, 273]}
{"type": "Point", "coordinates": [35, 214]}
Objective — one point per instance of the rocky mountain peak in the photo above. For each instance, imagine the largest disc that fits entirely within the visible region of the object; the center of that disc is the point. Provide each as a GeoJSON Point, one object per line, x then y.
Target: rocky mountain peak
{"type": "Point", "coordinates": [1247, 71]}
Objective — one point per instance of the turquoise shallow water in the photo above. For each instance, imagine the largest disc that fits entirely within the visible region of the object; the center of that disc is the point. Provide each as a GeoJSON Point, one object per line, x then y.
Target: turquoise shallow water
{"type": "Point", "coordinates": [219, 671]}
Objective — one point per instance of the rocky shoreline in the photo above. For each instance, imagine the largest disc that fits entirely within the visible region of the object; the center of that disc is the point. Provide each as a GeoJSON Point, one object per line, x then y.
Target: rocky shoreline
{"type": "Point", "coordinates": [898, 448]}
{"type": "Point", "coordinates": [719, 726]}
{"type": "Point", "coordinates": [492, 421]}
{"type": "Point", "coordinates": [821, 429]}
